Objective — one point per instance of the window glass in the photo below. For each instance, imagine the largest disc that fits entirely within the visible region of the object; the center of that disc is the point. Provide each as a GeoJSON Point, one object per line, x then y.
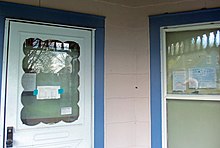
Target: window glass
{"type": "Point", "coordinates": [192, 62]}
{"type": "Point", "coordinates": [50, 81]}
{"type": "Point", "coordinates": [193, 124]}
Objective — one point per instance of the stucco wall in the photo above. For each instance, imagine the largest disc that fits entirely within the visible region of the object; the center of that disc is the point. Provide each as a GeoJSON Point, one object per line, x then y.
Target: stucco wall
{"type": "Point", "coordinates": [127, 119]}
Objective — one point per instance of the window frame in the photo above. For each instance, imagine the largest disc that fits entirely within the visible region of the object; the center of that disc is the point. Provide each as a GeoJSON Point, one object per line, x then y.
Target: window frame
{"type": "Point", "coordinates": [156, 97]}
{"type": "Point", "coordinates": [165, 95]}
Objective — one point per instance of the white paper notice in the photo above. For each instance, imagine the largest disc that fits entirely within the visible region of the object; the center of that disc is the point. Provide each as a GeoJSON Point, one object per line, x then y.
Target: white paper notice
{"type": "Point", "coordinates": [29, 81]}
{"type": "Point", "coordinates": [48, 92]}
{"type": "Point", "coordinates": [205, 77]}
{"type": "Point", "coordinates": [66, 110]}
{"type": "Point", "coordinates": [179, 80]}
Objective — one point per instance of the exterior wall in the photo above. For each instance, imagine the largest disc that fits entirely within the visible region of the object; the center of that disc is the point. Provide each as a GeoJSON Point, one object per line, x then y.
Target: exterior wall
{"type": "Point", "coordinates": [127, 120]}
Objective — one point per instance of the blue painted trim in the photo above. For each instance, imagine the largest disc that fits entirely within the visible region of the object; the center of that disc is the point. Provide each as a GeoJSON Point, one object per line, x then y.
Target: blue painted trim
{"type": "Point", "coordinates": [198, 16]}
{"type": "Point", "coordinates": [27, 12]}
{"type": "Point", "coordinates": [33, 13]}
{"type": "Point", "coordinates": [99, 89]}
{"type": "Point", "coordinates": [2, 26]}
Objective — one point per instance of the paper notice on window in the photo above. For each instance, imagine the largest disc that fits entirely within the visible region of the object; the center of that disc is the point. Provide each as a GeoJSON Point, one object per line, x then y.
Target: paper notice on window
{"type": "Point", "coordinates": [66, 110]}
{"type": "Point", "coordinates": [179, 81]}
{"type": "Point", "coordinates": [202, 77]}
{"type": "Point", "coordinates": [48, 92]}
{"type": "Point", "coordinates": [29, 81]}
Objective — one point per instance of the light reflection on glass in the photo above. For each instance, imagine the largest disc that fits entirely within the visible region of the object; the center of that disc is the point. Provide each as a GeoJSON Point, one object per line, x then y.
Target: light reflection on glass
{"type": "Point", "coordinates": [211, 39]}
{"type": "Point", "coordinates": [204, 41]}
{"type": "Point", "coordinates": [193, 44]}
{"type": "Point", "coordinates": [51, 63]}
{"type": "Point", "coordinates": [168, 49]}
{"type": "Point", "coordinates": [172, 49]}
{"type": "Point", "coordinates": [181, 47]}
{"type": "Point", "coordinates": [177, 47]}
{"type": "Point", "coordinates": [193, 49]}
{"type": "Point", "coordinates": [217, 39]}
{"type": "Point", "coordinates": [198, 42]}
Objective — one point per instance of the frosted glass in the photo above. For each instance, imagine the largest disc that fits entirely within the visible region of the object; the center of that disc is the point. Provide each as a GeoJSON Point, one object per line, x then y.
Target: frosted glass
{"type": "Point", "coordinates": [193, 124]}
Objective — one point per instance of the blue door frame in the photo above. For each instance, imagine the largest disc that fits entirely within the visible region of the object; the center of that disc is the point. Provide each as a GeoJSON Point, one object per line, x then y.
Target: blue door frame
{"type": "Point", "coordinates": [25, 12]}
{"type": "Point", "coordinates": [199, 16]}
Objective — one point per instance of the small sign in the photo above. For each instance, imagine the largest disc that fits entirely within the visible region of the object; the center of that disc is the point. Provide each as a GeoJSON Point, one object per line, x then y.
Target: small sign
{"type": "Point", "coordinates": [205, 77]}
{"type": "Point", "coordinates": [48, 92]}
{"type": "Point", "coordinates": [66, 110]}
{"type": "Point", "coordinates": [179, 81]}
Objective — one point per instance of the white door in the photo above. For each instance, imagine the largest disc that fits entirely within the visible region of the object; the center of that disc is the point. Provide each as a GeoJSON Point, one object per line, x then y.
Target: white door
{"type": "Point", "coordinates": [47, 86]}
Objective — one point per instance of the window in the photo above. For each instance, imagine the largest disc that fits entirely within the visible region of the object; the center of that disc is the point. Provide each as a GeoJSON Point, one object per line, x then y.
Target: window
{"type": "Point", "coordinates": [193, 67]}
{"type": "Point", "coordinates": [158, 106]}
{"type": "Point", "coordinates": [191, 74]}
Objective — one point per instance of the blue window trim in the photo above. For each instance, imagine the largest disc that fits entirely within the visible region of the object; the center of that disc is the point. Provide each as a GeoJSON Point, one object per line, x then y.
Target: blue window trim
{"type": "Point", "coordinates": [155, 22]}
{"type": "Point", "coordinates": [25, 12]}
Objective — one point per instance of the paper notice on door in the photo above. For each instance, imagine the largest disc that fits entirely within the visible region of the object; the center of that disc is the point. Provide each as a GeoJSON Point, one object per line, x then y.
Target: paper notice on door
{"type": "Point", "coordinates": [179, 79]}
{"type": "Point", "coordinates": [29, 81]}
{"type": "Point", "coordinates": [48, 92]}
{"type": "Point", "coordinates": [66, 110]}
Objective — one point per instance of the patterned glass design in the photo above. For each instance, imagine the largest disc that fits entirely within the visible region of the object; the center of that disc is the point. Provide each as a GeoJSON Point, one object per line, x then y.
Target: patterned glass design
{"type": "Point", "coordinates": [50, 81]}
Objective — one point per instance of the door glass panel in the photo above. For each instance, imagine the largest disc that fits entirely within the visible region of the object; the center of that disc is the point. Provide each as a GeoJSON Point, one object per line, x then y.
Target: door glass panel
{"type": "Point", "coordinates": [50, 81]}
{"type": "Point", "coordinates": [193, 124]}
{"type": "Point", "coordinates": [192, 62]}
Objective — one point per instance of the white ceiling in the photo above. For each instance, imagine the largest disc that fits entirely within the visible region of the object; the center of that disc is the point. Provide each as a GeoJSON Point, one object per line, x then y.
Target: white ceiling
{"type": "Point", "coordinates": [136, 3]}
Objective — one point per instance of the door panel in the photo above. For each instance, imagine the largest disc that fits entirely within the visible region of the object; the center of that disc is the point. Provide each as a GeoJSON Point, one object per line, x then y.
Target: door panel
{"type": "Point", "coordinates": [71, 144]}
{"type": "Point", "coordinates": [49, 85]}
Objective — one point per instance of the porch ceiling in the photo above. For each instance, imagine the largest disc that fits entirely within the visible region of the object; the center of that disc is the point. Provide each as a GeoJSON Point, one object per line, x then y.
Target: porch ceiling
{"type": "Point", "coordinates": [136, 3]}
